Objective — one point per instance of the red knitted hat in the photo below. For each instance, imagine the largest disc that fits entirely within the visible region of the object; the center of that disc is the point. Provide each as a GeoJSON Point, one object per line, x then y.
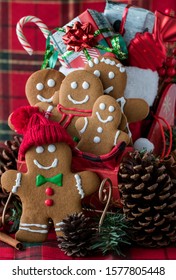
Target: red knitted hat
{"type": "Point", "coordinates": [39, 131]}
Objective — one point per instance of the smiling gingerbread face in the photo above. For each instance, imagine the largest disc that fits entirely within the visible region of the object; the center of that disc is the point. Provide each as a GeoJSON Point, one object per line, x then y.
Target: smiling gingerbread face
{"type": "Point", "coordinates": [79, 89]}
{"type": "Point", "coordinates": [49, 159]}
{"type": "Point", "coordinates": [101, 131]}
{"type": "Point", "coordinates": [111, 73]}
{"type": "Point", "coordinates": [42, 85]}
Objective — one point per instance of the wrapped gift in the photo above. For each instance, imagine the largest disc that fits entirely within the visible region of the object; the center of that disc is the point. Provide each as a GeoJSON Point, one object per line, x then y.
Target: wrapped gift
{"type": "Point", "coordinates": [91, 21]}
{"type": "Point", "coordinates": [134, 19]}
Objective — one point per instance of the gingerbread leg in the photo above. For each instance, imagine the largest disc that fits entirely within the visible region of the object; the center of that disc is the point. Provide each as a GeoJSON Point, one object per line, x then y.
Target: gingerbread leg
{"type": "Point", "coordinates": [32, 230]}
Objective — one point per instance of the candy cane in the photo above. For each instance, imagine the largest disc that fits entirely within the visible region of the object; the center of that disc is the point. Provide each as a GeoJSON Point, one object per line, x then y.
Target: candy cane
{"type": "Point", "coordinates": [22, 38]}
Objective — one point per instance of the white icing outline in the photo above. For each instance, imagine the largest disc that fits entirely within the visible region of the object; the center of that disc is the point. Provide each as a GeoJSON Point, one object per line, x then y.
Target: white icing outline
{"type": "Point", "coordinates": [109, 118]}
{"type": "Point", "coordinates": [97, 73]}
{"type": "Point", "coordinates": [122, 103]}
{"type": "Point", "coordinates": [18, 183]}
{"type": "Point", "coordinates": [78, 102]}
{"type": "Point", "coordinates": [108, 90]}
{"type": "Point", "coordinates": [43, 99]}
{"type": "Point", "coordinates": [33, 225]}
{"type": "Point", "coordinates": [48, 111]}
{"type": "Point", "coordinates": [85, 125]}
{"type": "Point", "coordinates": [79, 186]}
{"type": "Point", "coordinates": [59, 224]}
{"type": "Point", "coordinates": [34, 230]}
{"type": "Point", "coordinates": [116, 137]}
{"type": "Point", "coordinates": [40, 166]}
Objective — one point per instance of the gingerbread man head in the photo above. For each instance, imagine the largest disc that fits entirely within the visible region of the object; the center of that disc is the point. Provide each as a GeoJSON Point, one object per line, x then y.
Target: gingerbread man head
{"type": "Point", "coordinates": [42, 85]}
{"type": "Point", "coordinates": [111, 73]}
{"type": "Point", "coordinates": [79, 90]}
{"type": "Point", "coordinates": [114, 78]}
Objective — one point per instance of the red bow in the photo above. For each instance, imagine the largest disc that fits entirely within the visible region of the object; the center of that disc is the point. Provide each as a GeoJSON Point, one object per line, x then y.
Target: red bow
{"type": "Point", "coordinates": [79, 36]}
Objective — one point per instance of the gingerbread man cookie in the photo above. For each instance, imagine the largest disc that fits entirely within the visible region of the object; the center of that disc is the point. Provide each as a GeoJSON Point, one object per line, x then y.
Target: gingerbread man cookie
{"type": "Point", "coordinates": [114, 78]}
{"type": "Point", "coordinates": [75, 98]}
{"type": "Point", "coordinates": [99, 133]}
{"type": "Point", "coordinates": [48, 190]}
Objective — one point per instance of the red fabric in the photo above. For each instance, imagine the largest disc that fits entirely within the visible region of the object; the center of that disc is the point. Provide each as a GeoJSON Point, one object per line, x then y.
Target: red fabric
{"type": "Point", "coordinates": [49, 250]}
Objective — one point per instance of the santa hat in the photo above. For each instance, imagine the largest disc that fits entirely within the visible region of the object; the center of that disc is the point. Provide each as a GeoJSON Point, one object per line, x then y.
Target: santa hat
{"type": "Point", "coordinates": [38, 130]}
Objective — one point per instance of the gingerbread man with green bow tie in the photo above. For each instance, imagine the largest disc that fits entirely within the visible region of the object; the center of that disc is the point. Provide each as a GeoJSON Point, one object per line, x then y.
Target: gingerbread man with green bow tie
{"type": "Point", "coordinates": [48, 190]}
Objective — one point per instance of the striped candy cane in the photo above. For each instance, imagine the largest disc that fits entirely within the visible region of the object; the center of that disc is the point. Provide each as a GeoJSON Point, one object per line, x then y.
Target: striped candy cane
{"type": "Point", "coordinates": [22, 38]}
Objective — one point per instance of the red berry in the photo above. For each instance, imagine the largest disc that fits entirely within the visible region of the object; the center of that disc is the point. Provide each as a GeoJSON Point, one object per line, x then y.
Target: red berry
{"type": "Point", "coordinates": [162, 71]}
{"type": "Point", "coordinates": [170, 61]}
{"type": "Point", "coordinates": [171, 71]}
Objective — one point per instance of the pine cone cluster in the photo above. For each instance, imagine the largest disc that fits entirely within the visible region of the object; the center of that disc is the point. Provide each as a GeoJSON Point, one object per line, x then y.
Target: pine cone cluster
{"type": "Point", "coordinates": [77, 232]}
{"type": "Point", "coordinates": [149, 199]}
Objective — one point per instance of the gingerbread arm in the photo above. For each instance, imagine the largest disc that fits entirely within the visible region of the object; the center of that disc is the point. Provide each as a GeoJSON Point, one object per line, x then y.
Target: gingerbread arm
{"type": "Point", "coordinates": [11, 181]}
{"type": "Point", "coordinates": [136, 109]}
{"type": "Point", "coordinates": [88, 183]}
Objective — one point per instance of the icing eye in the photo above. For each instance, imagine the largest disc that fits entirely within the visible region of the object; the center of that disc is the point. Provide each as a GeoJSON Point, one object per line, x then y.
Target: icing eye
{"type": "Point", "coordinates": [111, 109]}
{"type": "Point", "coordinates": [74, 85]}
{"type": "Point", "coordinates": [51, 148]}
{"type": "Point", "coordinates": [51, 83]}
{"type": "Point", "coordinates": [111, 75]}
{"type": "Point", "coordinates": [39, 86]}
{"type": "Point", "coordinates": [102, 106]}
{"type": "Point", "coordinates": [85, 85]}
{"type": "Point", "coordinates": [39, 150]}
{"type": "Point", "coordinates": [97, 73]}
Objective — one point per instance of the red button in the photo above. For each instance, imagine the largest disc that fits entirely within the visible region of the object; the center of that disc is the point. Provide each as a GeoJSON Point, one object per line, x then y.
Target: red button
{"type": "Point", "coordinates": [49, 191]}
{"type": "Point", "coordinates": [49, 202]}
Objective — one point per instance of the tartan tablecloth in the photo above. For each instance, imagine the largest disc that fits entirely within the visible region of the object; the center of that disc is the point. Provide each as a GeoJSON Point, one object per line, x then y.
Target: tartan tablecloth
{"type": "Point", "coordinates": [49, 250]}
{"type": "Point", "coordinates": [16, 66]}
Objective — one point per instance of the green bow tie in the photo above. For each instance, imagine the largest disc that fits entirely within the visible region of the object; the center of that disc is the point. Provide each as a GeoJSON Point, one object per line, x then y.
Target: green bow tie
{"type": "Point", "coordinates": [57, 180]}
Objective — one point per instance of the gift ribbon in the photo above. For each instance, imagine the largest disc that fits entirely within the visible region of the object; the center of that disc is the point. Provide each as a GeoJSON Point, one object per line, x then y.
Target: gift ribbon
{"type": "Point", "coordinates": [57, 180]}
{"type": "Point", "coordinates": [118, 46]}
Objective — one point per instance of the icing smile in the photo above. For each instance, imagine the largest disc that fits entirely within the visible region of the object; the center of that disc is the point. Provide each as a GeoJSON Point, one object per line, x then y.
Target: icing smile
{"type": "Point", "coordinates": [43, 99]}
{"type": "Point", "coordinates": [54, 164]}
{"type": "Point", "coordinates": [108, 90]}
{"type": "Point", "coordinates": [78, 102]}
{"type": "Point", "coordinates": [109, 118]}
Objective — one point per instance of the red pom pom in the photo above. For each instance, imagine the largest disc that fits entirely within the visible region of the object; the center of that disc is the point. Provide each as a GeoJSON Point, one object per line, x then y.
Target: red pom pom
{"type": "Point", "coordinates": [19, 119]}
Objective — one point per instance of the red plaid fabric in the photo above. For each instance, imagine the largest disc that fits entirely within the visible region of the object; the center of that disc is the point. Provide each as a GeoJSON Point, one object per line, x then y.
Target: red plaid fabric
{"type": "Point", "coordinates": [16, 66]}
{"type": "Point", "coordinates": [49, 251]}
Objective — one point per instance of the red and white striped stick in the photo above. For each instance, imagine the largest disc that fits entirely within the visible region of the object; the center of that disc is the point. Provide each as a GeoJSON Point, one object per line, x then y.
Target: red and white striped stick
{"type": "Point", "coordinates": [19, 31]}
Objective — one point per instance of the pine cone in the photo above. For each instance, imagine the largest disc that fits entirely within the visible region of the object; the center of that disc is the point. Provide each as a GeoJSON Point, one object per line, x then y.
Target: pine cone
{"type": "Point", "coordinates": [78, 231]}
{"type": "Point", "coordinates": [149, 199]}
